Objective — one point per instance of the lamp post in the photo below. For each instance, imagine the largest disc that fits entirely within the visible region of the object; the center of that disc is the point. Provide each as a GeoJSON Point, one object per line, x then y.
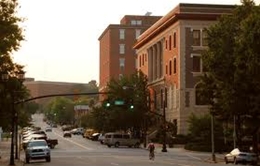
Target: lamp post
{"type": "Point", "coordinates": [212, 139]}
{"type": "Point", "coordinates": [164, 149]}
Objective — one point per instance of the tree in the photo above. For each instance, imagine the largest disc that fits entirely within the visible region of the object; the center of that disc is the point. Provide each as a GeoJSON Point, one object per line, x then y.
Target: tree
{"type": "Point", "coordinates": [232, 62]}
{"type": "Point", "coordinates": [124, 93]}
{"type": "Point", "coordinates": [60, 110]}
{"type": "Point", "coordinates": [11, 34]}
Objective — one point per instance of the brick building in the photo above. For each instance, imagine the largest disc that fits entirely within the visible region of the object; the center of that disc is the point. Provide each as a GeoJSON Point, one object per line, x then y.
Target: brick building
{"type": "Point", "coordinates": [117, 56]}
{"type": "Point", "coordinates": [41, 88]}
{"type": "Point", "coordinates": [169, 53]}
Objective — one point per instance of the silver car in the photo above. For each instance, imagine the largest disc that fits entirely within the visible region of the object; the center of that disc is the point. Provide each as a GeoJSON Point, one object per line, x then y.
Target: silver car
{"type": "Point", "coordinates": [236, 156]}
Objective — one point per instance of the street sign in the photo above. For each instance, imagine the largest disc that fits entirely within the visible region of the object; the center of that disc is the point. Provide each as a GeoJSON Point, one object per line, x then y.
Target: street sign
{"type": "Point", "coordinates": [119, 102]}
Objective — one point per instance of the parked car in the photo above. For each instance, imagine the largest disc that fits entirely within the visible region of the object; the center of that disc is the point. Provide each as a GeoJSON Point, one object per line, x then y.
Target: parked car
{"type": "Point", "coordinates": [77, 131]}
{"type": "Point", "coordinates": [101, 138]}
{"type": "Point", "coordinates": [94, 137]}
{"type": "Point", "coordinates": [48, 129]}
{"type": "Point", "coordinates": [119, 139]}
{"type": "Point", "coordinates": [37, 149]}
{"type": "Point", "coordinates": [236, 156]}
{"type": "Point", "coordinates": [67, 134]}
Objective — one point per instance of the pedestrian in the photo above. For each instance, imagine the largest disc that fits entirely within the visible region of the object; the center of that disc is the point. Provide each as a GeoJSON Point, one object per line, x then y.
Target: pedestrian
{"type": "Point", "coordinates": [151, 149]}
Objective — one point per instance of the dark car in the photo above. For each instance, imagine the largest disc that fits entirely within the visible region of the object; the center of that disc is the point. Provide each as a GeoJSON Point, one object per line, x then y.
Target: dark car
{"type": "Point", "coordinates": [48, 129]}
{"type": "Point", "coordinates": [67, 134]}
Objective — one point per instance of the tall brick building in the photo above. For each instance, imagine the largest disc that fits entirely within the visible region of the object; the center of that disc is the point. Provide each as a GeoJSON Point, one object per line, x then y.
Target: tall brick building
{"type": "Point", "coordinates": [169, 53]}
{"type": "Point", "coordinates": [117, 56]}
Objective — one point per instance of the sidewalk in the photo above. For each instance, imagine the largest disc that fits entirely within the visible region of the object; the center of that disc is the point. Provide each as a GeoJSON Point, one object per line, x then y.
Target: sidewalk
{"type": "Point", "coordinates": [5, 154]}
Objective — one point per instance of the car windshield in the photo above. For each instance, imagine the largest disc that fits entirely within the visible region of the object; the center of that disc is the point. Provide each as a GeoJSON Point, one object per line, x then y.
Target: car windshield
{"type": "Point", "coordinates": [37, 143]}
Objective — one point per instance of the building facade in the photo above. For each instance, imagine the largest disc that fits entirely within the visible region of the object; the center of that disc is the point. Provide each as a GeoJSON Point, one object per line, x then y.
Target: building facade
{"type": "Point", "coordinates": [169, 53]}
{"type": "Point", "coordinates": [117, 56]}
{"type": "Point", "coordinates": [42, 88]}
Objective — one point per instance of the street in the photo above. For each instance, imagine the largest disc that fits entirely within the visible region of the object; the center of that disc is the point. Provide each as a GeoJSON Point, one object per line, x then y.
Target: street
{"type": "Point", "coordinates": [80, 151]}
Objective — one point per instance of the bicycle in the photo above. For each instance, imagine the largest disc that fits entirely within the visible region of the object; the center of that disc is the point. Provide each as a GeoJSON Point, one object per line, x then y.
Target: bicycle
{"type": "Point", "coordinates": [151, 155]}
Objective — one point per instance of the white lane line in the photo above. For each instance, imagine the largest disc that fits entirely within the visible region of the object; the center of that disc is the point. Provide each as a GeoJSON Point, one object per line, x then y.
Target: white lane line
{"type": "Point", "coordinates": [114, 164]}
{"type": "Point", "coordinates": [197, 158]}
{"type": "Point", "coordinates": [84, 147]}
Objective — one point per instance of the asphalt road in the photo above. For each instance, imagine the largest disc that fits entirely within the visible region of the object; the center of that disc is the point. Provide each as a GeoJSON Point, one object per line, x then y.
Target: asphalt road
{"type": "Point", "coordinates": [79, 151]}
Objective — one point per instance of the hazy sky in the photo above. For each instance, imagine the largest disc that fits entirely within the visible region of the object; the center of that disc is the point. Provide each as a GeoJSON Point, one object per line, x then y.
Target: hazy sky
{"type": "Point", "coordinates": [62, 35]}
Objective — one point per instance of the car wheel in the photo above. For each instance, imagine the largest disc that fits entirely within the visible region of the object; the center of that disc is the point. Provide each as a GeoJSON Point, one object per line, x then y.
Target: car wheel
{"type": "Point", "coordinates": [48, 159]}
{"type": "Point", "coordinates": [27, 160]}
{"type": "Point", "coordinates": [109, 146]}
{"type": "Point", "coordinates": [235, 161]}
{"type": "Point", "coordinates": [117, 144]}
{"type": "Point", "coordinates": [226, 161]}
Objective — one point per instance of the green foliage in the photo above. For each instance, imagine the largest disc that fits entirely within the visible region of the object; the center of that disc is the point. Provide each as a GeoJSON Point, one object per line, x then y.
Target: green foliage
{"type": "Point", "coordinates": [200, 128]}
{"type": "Point", "coordinates": [232, 62]}
{"type": "Point", "coordinates": [60, 110]}
{"type": "Point", "coordinates": [130, 91]}
{"type": "Point", "coordinates": [11, 34]}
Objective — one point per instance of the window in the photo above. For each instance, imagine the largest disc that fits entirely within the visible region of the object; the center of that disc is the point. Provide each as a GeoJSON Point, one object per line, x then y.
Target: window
{"type": "Point", "coordinates": [142, 59]}
{"type": "Point", "coordinates": [204, 38]}
{"type": "Point", "coordinates": [170, 68]}
{"type": "Point", "coordinates": [174, 66]}
{"type": "Point", "coordinates": [166, 69]}
{"type": "Point", "coordinates": [196, 37]}
{"type": "Point", "coordinates": [121, 34]}
{"type": "Point", "coordinates": [122, 64]}
{"type": "Point", "coordinates": [139, 22]}
{"type": "Point", "coordinates": [137, 33]}
{"type": "Point", "coordinates": [170, 42]}
{"type": "Point", "coordinates": [197, 63]}
{"type": "Point", "coordinates": [133, 22]}
{"type": "Point", "coordinates": [174, 40]}
{"type": "Point", "coordinates": [122, 48]}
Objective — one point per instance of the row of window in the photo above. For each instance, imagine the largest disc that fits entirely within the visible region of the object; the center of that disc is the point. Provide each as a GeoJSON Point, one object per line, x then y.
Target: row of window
{"type": "Point", "coordinates": [171, 42]}
{"type": "Point", "coordinates": [199, 37]}
{"type": "Point", "coordinates": [122, 33]}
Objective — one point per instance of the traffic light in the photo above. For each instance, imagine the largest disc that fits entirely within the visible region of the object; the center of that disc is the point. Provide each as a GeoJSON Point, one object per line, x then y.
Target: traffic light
{"type": "Point", "coordinates": [108, 104]}
{"type": "Point", "coordinates": [131, 105]}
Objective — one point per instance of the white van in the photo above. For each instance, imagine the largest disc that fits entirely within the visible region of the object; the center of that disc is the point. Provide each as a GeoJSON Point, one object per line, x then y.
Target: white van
{"type": "Point", "coordinates": [119, 139]}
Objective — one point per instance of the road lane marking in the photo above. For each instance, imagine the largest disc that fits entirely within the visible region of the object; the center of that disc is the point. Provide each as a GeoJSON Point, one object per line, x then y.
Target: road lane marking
{"type": "Point", "coordinates": [84, 147]}
{"type": "Point", "coordinates": [114, 164]}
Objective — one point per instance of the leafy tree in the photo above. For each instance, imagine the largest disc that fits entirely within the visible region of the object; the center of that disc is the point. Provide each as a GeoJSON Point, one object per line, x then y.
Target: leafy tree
{"type": "Point", "coordinates": [232, 62]}
{"type": "Point", "coordinates": [10, 38]}
{"type": "Point", "coordinates": [60, 110]}
{"type": "Point", "coordinates": [131, 90]}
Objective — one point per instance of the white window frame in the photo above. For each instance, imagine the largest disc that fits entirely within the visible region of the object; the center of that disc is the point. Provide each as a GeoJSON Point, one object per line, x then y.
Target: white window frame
{"type": "Point", "coordinates": [137, 33]}
{"type": "Point", "coordinates": [121, 34]}
{"type": "Point", "coordinates": [121, 48]}
{"type": "Point", "coordinates": [133, 22]}
{"type": "Point", "coordinates": [138, 22]}
{"type": "Point", "coordinates": [201, 64]}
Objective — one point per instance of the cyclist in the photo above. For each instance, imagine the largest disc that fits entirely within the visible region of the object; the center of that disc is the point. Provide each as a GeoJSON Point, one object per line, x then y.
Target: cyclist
{"type": "Point", "coordinates": [151, 149]}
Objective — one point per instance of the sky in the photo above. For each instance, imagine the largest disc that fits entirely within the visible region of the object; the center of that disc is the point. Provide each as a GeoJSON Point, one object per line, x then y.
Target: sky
{"type": "Point", "coordinates": [61, 36]}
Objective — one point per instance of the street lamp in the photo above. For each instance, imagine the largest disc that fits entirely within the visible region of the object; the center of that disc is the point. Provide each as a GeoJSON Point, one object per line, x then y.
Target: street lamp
{"type": "Point", "coordinates": [164, 148]}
